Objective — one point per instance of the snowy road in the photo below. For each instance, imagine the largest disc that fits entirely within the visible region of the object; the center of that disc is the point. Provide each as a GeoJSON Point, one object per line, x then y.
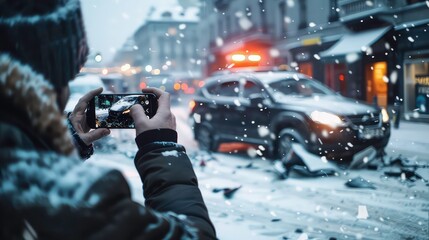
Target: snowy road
{"type": "Point", "coordinates": [299, 207]}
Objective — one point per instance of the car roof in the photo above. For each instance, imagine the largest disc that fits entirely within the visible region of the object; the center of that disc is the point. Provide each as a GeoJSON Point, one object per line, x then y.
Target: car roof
{"type": "Point", "coordinates": [265, 77]}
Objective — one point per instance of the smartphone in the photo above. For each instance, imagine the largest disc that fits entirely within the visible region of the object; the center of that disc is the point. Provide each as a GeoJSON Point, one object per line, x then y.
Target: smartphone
{"type": "Point", "coordinates": [113, 110]}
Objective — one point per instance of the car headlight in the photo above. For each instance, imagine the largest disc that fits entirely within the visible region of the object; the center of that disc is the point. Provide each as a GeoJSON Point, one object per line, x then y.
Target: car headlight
{"type": "Point", "coordinates": [126, 111]}
{"type": "Point", "coordinates": [328, 119]}
{"type": "Point", "coordinates": [385, 115]}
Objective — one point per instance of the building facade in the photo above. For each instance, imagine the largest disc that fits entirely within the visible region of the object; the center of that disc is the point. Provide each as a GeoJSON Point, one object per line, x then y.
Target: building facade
{"type": "Point", "coordinates": [164, 45]}
{"type": "Point", "coordinates": [372, 50]}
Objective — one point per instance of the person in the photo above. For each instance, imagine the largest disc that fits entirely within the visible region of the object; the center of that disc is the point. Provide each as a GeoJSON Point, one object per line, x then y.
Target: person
{"type": "Point", "coordinates": [46, 192]}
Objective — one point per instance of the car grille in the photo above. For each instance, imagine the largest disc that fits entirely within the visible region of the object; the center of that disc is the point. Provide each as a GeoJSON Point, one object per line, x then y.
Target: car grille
{"type": "Point", "coordinates": [367, 119]}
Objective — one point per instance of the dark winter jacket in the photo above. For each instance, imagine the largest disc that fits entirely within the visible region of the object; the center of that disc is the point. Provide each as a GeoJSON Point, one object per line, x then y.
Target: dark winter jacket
{"type": "Point", "coordinates": [46, 193]}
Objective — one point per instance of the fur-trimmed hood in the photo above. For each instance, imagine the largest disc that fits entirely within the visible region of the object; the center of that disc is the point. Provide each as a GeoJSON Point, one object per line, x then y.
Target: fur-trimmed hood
{"type": "Point", "coordinates": [33, 95]}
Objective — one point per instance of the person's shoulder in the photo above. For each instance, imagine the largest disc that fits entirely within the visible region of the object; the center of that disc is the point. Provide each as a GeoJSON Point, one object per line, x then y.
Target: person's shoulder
{"type": "Point", "coordinates": [60, 180]}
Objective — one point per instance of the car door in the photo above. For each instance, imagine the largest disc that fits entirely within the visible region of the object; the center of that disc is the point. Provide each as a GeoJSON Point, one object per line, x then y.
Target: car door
{"type": "Point", "coordinates": [257, 114]}
{"type": "Point", "coordinates": [222, 108]}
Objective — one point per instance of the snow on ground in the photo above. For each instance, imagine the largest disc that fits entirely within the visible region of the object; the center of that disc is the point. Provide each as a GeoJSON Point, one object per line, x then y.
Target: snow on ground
{"type": "Point", "coordinates": [265, 207]}
{"type": "Point", "coordinates": [268, 208]}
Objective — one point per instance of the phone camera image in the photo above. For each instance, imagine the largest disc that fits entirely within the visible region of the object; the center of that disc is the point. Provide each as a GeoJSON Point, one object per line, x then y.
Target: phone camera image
{"type": "Point", "coordinates": [113, 111]}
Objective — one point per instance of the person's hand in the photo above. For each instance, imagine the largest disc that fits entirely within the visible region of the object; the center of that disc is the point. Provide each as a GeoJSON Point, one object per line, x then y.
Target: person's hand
{"type": "Point", "coordinates": [163, 117]}
{"type": "Point", "coordinates": [78, 119]}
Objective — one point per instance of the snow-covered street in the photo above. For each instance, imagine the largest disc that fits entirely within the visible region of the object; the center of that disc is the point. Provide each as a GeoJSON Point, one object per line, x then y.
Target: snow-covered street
{"type": "Point", "coordinates": [247, 200]}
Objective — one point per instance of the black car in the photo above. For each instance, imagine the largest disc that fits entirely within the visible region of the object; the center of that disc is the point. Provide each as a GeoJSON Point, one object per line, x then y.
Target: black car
{"type": "Point", "coordinates": [275, 109]}
{"type": "Point", "coordinates": [119, 111]}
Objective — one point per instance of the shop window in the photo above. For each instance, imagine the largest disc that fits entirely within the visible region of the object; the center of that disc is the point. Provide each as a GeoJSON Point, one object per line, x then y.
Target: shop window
{"type": "Point", "coordinates": [376, 83]}
{"type": "Point", "coordinates": [416, 87]}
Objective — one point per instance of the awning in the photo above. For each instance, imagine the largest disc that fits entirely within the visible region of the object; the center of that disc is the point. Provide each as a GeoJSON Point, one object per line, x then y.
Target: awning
{"type": "Point", "coordinates": [354, 42]}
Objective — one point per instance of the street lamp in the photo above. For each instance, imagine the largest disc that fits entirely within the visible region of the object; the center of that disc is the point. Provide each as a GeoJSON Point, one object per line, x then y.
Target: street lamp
{"type": "Point", "coordinates": [98, 58]}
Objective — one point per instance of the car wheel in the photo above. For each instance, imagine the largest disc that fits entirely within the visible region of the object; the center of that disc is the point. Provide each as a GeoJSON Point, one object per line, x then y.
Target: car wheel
{"type": "Point", "coordinates": [205, 139]}
{"type": "Point", "coordinates": [284, 147]}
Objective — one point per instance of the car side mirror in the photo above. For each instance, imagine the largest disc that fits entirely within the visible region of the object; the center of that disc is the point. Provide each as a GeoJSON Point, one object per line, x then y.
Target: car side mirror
{"type": "Point", "coordinates": [256, 99]}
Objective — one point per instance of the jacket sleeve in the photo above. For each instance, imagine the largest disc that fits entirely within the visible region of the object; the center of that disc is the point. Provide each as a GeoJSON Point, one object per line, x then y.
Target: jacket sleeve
{"type": "Point", "coordinates": [169, 181]}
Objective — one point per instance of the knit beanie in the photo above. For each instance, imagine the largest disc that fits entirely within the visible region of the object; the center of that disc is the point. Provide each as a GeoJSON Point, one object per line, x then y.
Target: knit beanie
{"type": "Point", "coordinates": [47, 35]}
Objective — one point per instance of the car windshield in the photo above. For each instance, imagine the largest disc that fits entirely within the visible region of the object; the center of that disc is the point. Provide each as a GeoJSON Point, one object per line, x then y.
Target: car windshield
{"type": "Point", "coordinates": [299, 88]}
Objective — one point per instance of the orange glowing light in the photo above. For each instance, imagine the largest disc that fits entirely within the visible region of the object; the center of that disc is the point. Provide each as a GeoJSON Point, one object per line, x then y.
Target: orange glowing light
{"type": "Point", "coordinates": [254, 58]}
{"type": "Point", "coordinates": [192, 104]}
{"type": "Point", "coordinates": [177, 86]}
{"type": "Point", "coordinates": [238, 57]}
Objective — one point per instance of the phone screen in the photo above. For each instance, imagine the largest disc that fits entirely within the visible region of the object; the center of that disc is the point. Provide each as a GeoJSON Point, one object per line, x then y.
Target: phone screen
{"type": "Point", "coordinates": [113, 110]}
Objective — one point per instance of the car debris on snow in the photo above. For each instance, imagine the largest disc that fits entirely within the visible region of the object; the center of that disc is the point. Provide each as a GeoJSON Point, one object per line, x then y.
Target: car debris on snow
{"type": "Point", "coordinates": [363, 158]}
{"type": "Point", "coordinates": [248, 166]}
{"type": "Point", "coordinates": [227, 192]}
{"type": "Point", "coordinates": [304, 163]}
{"type": "Point", "coordinates": [359, 182]}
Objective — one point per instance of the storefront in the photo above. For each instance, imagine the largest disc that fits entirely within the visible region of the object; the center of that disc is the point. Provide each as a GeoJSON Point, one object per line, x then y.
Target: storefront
{"type": "Point", "coordinates": [416, 88]}
{"type": "Point", "coordinates": [306, 56]}
{"type": "Point", "coordinates": [413, 89]}
{"type": "Point", "coordinates": [357, 66]}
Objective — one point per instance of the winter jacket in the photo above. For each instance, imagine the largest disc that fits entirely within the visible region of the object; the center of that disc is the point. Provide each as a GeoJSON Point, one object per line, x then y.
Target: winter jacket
{"type": "Point", "coordinates": [46, 192]}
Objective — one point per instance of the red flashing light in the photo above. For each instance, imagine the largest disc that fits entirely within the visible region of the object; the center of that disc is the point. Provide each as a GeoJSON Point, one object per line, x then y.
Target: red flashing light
{"type": "Point", "coordinates": [341, 77]}
{"type": "Point", "coordinates": [143, 85]}
{"type": "Point", "coordinates": [184, 87]}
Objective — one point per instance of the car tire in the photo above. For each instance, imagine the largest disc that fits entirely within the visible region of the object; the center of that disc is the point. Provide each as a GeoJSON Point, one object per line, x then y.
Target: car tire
{"type": "Point", "coordinates": [204, 138]}
{"type": "Point", "coordinates": [284, 147]}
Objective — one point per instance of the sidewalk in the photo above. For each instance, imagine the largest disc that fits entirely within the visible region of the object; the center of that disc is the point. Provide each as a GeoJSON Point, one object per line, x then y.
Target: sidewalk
{"type": "Point", "coordinates": [411, 140]}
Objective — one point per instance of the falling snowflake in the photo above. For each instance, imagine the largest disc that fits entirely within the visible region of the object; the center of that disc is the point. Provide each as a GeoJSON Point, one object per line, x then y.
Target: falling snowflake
{"type": "Point", "coordinates": [296, 77]}
{"type": "Point", "coordinates": [219, 41]}
{"type": "Point", "coordinates": [182, 26]}
{"type": "Point", "coordinates": [274, 52]}
{"type": "Point", "coordinates": [394, 76]}
{"type": "Point", "coordinates": [316, 56]}
{"type": "Point", "coordinates": [411, 39]}
{"type": "Point", "coordinates": [237, 102]}
{"type": "Point", "coordinates": [369, 3]}
{"type": "Point", "coordinates": [385, 79]}
{"type": "Point", "coordinates": [352, 57]}
{"type": "Point", "coordinates": [263, 131]}
{"type": "Point", "coordinates": [245, 23]}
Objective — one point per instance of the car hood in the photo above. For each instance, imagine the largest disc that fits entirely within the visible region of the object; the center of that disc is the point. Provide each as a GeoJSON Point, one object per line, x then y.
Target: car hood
{"type": "Point", "coordinates": [120, 106]}
{"type": "Point", "coordinates": [329, 103]}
